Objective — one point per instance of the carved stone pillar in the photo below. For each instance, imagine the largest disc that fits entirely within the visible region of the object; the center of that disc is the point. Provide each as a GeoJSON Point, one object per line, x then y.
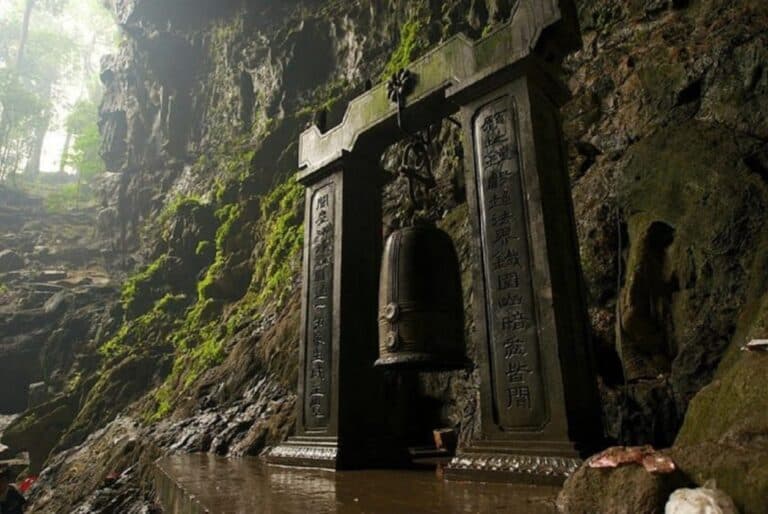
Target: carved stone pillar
{"type": "Point", "coordinates": [340, 407]}
{"type": "Point", "coordinates": [539, 402]}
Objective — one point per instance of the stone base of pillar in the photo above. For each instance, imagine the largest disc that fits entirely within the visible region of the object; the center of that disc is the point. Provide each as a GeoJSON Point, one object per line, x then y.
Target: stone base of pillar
{"type": "Point", "coordinates": [492, 463]}
{"type": "Point", "coordinates": [328, 453]}
{"type": "Point", "coordinates": [306, 452]}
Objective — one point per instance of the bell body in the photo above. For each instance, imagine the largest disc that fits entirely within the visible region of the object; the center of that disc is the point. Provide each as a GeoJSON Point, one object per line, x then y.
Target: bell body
{"type": "Point", "coordinates": [421, 311]}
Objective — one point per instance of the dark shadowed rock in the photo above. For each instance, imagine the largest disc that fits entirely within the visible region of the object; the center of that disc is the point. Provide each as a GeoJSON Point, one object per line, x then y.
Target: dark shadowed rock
{"type": "Point", "coordinates": [10, 261]}
{"type": "Point", "coordinates": [628, 489]}
{"type": "Point", "coordinates": [725, 434]}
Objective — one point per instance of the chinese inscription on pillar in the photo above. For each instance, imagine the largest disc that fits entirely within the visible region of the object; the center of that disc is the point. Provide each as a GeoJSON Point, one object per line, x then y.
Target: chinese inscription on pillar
{"type": "Point", "coordinates": [319, 319]}
{"type": "Point", "coordinates": [519, 397]}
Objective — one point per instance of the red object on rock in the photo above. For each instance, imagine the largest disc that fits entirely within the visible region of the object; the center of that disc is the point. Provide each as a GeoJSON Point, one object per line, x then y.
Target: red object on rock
{"type": "Point", "coordinates": [26, 485]}
{"type": "Point", "coordinates": [659, 464]}
{"type": "Point", "coordinates": [619, 455]}
{"type": "Point", "coordinates": [647, 456]}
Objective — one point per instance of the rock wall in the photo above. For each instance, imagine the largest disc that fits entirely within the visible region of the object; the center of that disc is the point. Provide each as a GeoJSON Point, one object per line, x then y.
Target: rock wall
{"type": "Point", "coordinates": [205, 100]}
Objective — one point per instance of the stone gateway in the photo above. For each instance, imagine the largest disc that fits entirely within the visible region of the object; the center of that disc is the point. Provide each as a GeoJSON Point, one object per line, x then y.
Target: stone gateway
{"type": "Point", "coordinates": [539, 402]}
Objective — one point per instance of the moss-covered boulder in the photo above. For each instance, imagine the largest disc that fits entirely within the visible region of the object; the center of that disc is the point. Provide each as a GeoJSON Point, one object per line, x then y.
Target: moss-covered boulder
{"type": "Point", "coordinates": [725, 434]}
{"type": "Point", "coordinates": [38, 430]}
{"type": "Point", "coordinates": [626, 490]}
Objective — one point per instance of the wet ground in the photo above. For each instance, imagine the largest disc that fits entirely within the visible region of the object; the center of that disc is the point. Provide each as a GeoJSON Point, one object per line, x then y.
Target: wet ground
{"type": "Point", "coordinates": [204, 483]}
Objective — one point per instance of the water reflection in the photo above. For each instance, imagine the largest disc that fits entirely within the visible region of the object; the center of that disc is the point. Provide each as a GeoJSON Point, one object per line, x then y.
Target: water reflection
{"type": "Point", "coordinates": [248, 486]}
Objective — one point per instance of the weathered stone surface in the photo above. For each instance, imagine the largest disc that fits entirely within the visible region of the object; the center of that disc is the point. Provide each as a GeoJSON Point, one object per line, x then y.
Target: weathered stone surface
{"type": "Point", "coordinates": [10, 261]}
{"type": "Point", "coordinates": [628, 489]}
{"type": "Point", "coordinates": [112, 457]}
{"type": "Point", "coordinates": [725, 434]}
{"type": "Point", "coordinates": [39, 429]}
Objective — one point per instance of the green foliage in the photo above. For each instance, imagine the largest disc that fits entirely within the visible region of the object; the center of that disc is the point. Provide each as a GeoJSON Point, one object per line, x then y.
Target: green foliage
{"type": "Point", "coordinates": [18, 102]}
{"type": "Point", "coordinates": [231, 160]}
{"type": "Point", "coordinates": [200, 339]}
{"type": "Point", "coordinates": [176, 205]}
{"type": "Point", "coordinates": [228, 216]}
{"type": "Point", "coordinates": [60, 52]}
{"type": "Point", "coordinates": [203, 247]}
{"type": "Point", "coordinates": [327, 96]}
{"type": "Point", "coordinates": [137, 287]}
{"type": "Point", "coordinates": [84, 156]}
{"type": "Point", "coordinates": [21, 108]}
{"type": "Point", "coordinates": [283, 236]}
{"type": "Point", "coordinates": [145, 330]}
{"type": "Point", "coordinates": [3, 288]}
{"type": "Point", "coordinates": [406, 51]}
{"type": "Point", "coordinates": [68, 196]}
{"type": "Point", "coordinates": [282, 233]}
{"type": "Point", "coordinates": [199, 345]}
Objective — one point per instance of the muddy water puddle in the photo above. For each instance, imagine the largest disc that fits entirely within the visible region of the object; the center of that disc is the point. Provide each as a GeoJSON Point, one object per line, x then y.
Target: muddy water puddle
{"type": "Point", "coordinates": [204, 483]}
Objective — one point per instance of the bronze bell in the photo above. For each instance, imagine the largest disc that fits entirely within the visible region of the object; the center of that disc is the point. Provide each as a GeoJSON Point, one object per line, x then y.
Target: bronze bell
{"type": "Point", "coordinates": [421, 311]}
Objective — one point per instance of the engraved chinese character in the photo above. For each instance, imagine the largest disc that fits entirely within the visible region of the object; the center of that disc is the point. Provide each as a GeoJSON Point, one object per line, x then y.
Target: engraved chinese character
{"type": "Point", "coordinates": [519, 396]}
{"type": "Point", "coordinates": [323, 252]}
{"type": "Point", "coordinates": [492, 180]}
{"type": "Point", "coordinates": [501, 218]}
{"type": "Point", "coordinates": [322, 288]}
{"type": "Point", "coordinates": [500, 199]}
{"type": "Point", "coordinates": [495, 157]}
{"type": "Point", "coordinates": [516, 371]}
{"type": "Point", "coordinates": [494, 129]}
{"type": "Point", "coordinates": [325, 233]}
{"type": "Point", "coordinates": [318, 371]}
{"type": "Point", "coordinates": [504, 236]}
{"type": "Point", "coordinates": [506, 257]}
{"type": "Point", "coordinates": [318, 338]}
{"type": "Point", "coordinates": [509, 280]}
{"type": "Point", "coordinates": [514, 347]}
{"type": "Point", "coordinates": [318, 353]}
{"type": "Point", "coordinates": [515, 321]}
{"type": "Point", "coordinates": [510, 300]}
{"type": "Point", "coordinates": [316, 404]}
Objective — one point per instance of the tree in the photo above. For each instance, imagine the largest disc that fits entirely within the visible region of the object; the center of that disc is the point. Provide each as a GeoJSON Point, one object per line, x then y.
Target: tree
{"type": "Point", "coordinates": [27, 99]}
{"type": "Point", "coordinates": [53, 6]}
{"type": "Point", "coordinates": [84, 156]}
{"type": "Point", "coordinates": [19, 108]}
{"type": "Point", "coordinates": [50, 49]}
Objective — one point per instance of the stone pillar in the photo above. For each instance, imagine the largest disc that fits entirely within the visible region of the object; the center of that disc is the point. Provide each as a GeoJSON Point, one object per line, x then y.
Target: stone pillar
{"type": "Point", "coordinates": [340, 408]}
{"type": "Point", "coordinates": [539, 401]}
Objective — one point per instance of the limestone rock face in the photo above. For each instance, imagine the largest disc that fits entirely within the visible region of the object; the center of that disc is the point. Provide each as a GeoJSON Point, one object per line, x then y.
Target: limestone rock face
{"type": "Point", "coordinates": [10, 261]}
{"type": "Point", "coordinates": [669, 190]}
{"type": "Point", "coordinates": [204, 104]}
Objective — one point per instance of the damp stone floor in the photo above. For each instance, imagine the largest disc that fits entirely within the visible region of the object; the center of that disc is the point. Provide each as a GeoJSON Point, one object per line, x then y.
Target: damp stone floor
{"type": "Point", "coordinates": [196, 484]}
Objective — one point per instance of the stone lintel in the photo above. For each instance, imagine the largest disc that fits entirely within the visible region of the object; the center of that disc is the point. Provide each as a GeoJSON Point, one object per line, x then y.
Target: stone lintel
{"type": "Point", "coordinates": [370, 119]}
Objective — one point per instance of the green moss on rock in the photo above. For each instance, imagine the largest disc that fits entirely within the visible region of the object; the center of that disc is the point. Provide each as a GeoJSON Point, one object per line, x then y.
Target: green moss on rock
{"type": "Point", "coordinates": [137, 290]}
{"type": "Point", "coordinates": [283, 239]}
{"type": "Point", "coordinates": [409, 46]}
{"type": "Point", "coordinates": [725, 434]}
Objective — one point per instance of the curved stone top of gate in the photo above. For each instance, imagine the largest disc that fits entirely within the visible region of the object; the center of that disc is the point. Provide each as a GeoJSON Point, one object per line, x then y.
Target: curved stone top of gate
{"type": "Point", "coordinates": [451, 66]}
